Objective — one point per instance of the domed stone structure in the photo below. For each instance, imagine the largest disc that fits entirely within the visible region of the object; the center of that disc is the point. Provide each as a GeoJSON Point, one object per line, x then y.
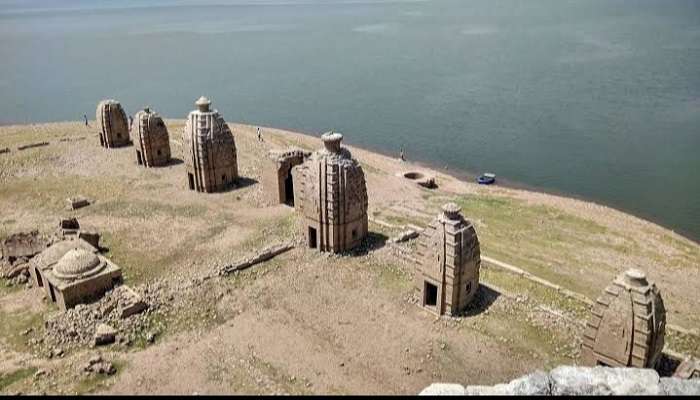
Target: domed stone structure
{"type": "Point", "coordinates": [209, 150]}
{"type": "Point", "coordinates": [78, 264]}
{"type": "Point", "coordinates": [72, 272]}
{"type": "Point", "coordinates": [449, 261]}
{"type": "Point", "coordinates": [114, 126]}
{"type": "Point", "coordinates": [331, 193]}
{"type": "Point", "coordinates": [151, 139]}
{"type": "Point", "coordinates": [48, 258]}
{"type": "Point", "coordinates": [627, 324]}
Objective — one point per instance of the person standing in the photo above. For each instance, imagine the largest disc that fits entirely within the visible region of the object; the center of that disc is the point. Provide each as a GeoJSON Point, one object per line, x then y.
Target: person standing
{"type": "Point", "coordinates": [86, 120]}
{"type": "Point", "coordinates": [402, 155]}
{"type": "Point", "coordinates": [259, 135]}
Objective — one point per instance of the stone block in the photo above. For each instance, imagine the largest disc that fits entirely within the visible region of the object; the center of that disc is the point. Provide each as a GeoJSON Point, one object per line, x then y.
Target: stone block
{"type": "Point", "coordinates": [104, 334]}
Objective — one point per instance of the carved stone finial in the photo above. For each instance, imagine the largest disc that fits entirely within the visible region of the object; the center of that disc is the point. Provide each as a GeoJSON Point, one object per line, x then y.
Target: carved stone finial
{"type": "Point", "coordinates": [331, 140]}
{"type": "Point", "coordinates": [451, 211]}
{"type": "Point", "coordinates": [203, 104]}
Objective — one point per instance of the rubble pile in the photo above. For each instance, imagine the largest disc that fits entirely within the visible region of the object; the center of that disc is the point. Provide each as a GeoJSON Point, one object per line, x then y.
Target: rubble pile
{"type": "Point", "coordinates": [125, 310]}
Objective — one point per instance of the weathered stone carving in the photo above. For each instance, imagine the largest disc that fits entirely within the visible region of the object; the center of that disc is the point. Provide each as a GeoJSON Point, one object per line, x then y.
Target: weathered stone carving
{"type": "Point", "coordinates": [627, 324]}
{"type": "Point", "coordinates": [331, 193]}
{"type": "Point", "coordinates": [151, 139]}
{"type": "Point", "coordinates": [449, 262]}
{"type": "Point", "coordinates": [209, 150]}
{"type": "Point", "coordinates": [277, 179]}
{"type": "Point", "coordinates": [114, 126]}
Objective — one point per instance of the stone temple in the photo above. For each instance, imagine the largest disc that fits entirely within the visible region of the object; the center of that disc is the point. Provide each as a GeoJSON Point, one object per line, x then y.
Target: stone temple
{"type": "Point", "coordinates": [114, 126]}
{"type": "Point", "coordinates": [209, 150]}
{"type": "Point", "coordinates": [277, 179]}
{"type": "Point", "coordinates": [151, 139]}
{"type": "Point", "coordinates": [331, 193]}
{"type": "Point", "coordinates": [449, 261]}
{"type": "Point", "coordinates": [627, 324]}
{"type": "Point", "coordinates": [71, 272]}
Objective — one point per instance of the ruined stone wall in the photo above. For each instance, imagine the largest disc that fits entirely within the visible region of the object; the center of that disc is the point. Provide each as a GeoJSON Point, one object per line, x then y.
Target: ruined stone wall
{"type": "Point", "coordinates": [151, 139]}
{"type": "Point", "coordinates": [113, 124]}
{"type": "Point", "coordinates": [330, 191]}
{"type": "Point", "coordinates": [209, 151]}
{"type": "Point", "coordinates": [277, 167]}
{"type": "Point", "coordinates": [87, 290]}
{"type": "Point", "coordinates": [568, 381]}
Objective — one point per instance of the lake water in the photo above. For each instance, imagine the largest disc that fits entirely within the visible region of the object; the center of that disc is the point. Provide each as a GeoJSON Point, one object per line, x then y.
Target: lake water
{"type": "Point", "coordinates": [598, 99]}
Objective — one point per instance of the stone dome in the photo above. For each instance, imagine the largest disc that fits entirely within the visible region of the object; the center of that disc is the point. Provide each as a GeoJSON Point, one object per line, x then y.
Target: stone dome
{"type": "Point", "coordinates": [78, 264]}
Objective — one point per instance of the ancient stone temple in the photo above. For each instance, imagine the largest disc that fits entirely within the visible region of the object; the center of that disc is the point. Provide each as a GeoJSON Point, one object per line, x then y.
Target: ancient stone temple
{"type": "Point", "coordinates": [209, 150]}
{"type": "Point", "coordinates": [114, 126]}
{"type": "Point", "coordinates": [627, 324]}
{"type": "Point", "coordinates": [449, 261]}
{"type": "Point", "coordinates": [277, 179]}
{"type": "Point", "coordinates": [330, 192]}
{"type": "Point", "coordinates": [151, 139]}
{"type": "Point", "coordinates": [79, 276]}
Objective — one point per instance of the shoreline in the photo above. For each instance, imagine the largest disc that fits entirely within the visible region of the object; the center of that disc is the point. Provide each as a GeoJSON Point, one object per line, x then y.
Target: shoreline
{"type": "Point", "coordinates": [469, 177]}
{"type": "Point", "coordinates": [457, 174]}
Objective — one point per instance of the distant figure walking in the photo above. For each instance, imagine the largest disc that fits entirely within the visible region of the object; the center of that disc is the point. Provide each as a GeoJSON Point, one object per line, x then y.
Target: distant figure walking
{"type": "Point", "coordinates": [260, 139]}
{"type": "Point", "coordinates": [86, 120]}
{"type": "Point", "coordinates": [403, 155]}
{"type": "Point", "coordinates": [131, 121]}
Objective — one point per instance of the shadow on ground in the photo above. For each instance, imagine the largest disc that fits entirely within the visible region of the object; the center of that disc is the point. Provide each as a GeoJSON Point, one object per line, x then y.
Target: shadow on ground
{"type": "Point", "coordinates": [373, 241]}
{"type": "Point", "coordinates": [174, 161]}
{"type": "Point", "coordinates": [483, 299]}
{"type": "Point", "coordinates": [667, 365]}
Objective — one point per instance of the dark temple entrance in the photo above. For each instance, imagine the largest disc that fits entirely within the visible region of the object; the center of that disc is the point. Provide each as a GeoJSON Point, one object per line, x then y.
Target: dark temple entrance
{"type": "Point", "coordinates": [289, 190]}
{"type": "Point", "coordinates": [431, 292]}
{"type": "Point", "coordinates": [312, 238]}
{"type": "Point", "coordinates": [191, 179]}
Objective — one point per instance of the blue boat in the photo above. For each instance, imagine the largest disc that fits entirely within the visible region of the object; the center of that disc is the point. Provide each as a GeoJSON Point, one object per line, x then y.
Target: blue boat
{"type": "Point", "coordinates": [486, 179]}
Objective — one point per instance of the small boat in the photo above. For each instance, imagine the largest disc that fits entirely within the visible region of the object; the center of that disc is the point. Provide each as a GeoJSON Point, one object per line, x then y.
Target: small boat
{"type": "Point", "coordinates": [486, 179]}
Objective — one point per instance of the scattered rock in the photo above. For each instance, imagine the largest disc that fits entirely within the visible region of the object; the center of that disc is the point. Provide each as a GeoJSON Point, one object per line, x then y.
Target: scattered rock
{"type": "Point", "coordinates": [104, 334]}
{"type": "Point", "coordinates": [77, 202]}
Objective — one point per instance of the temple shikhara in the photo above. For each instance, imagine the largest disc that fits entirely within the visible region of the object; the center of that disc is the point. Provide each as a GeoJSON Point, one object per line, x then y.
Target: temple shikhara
{"type": "Point", "coordinates": [151, 139]}
{"type": "Point", "coordinates": [449, 260]}
{"type": "Point", "coordinates": [209, 150]}
{"type": "Point", "coordinates": [331, 194]}
{"type": "Point", "coordinates": [627, 324]}
{"type": "Point", "coordinates": [114, 126]}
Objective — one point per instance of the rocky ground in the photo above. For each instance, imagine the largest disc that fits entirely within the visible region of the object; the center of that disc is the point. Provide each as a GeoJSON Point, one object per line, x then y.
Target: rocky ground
{"type": "Point", "coordinates": [302, 322]}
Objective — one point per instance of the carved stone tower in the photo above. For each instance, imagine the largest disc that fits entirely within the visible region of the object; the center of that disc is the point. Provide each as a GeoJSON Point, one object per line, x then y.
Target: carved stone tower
{"type": "Point", "coordinates": [627, 324]}
{"type": "Point", "coordinates": [114, 126]}
{"type": "Point", "coordinates": [330, 191]}
{"type": "Point", "coordinates": [151, 139]}
{"type": "Point", "coordinates": [450, 258]}
{"type": "Point", "coordinates": [209, 150]}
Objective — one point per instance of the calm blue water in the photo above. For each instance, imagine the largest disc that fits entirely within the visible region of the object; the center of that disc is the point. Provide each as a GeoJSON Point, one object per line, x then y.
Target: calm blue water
{"type": "Point", "coordinates": [594, 98]}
